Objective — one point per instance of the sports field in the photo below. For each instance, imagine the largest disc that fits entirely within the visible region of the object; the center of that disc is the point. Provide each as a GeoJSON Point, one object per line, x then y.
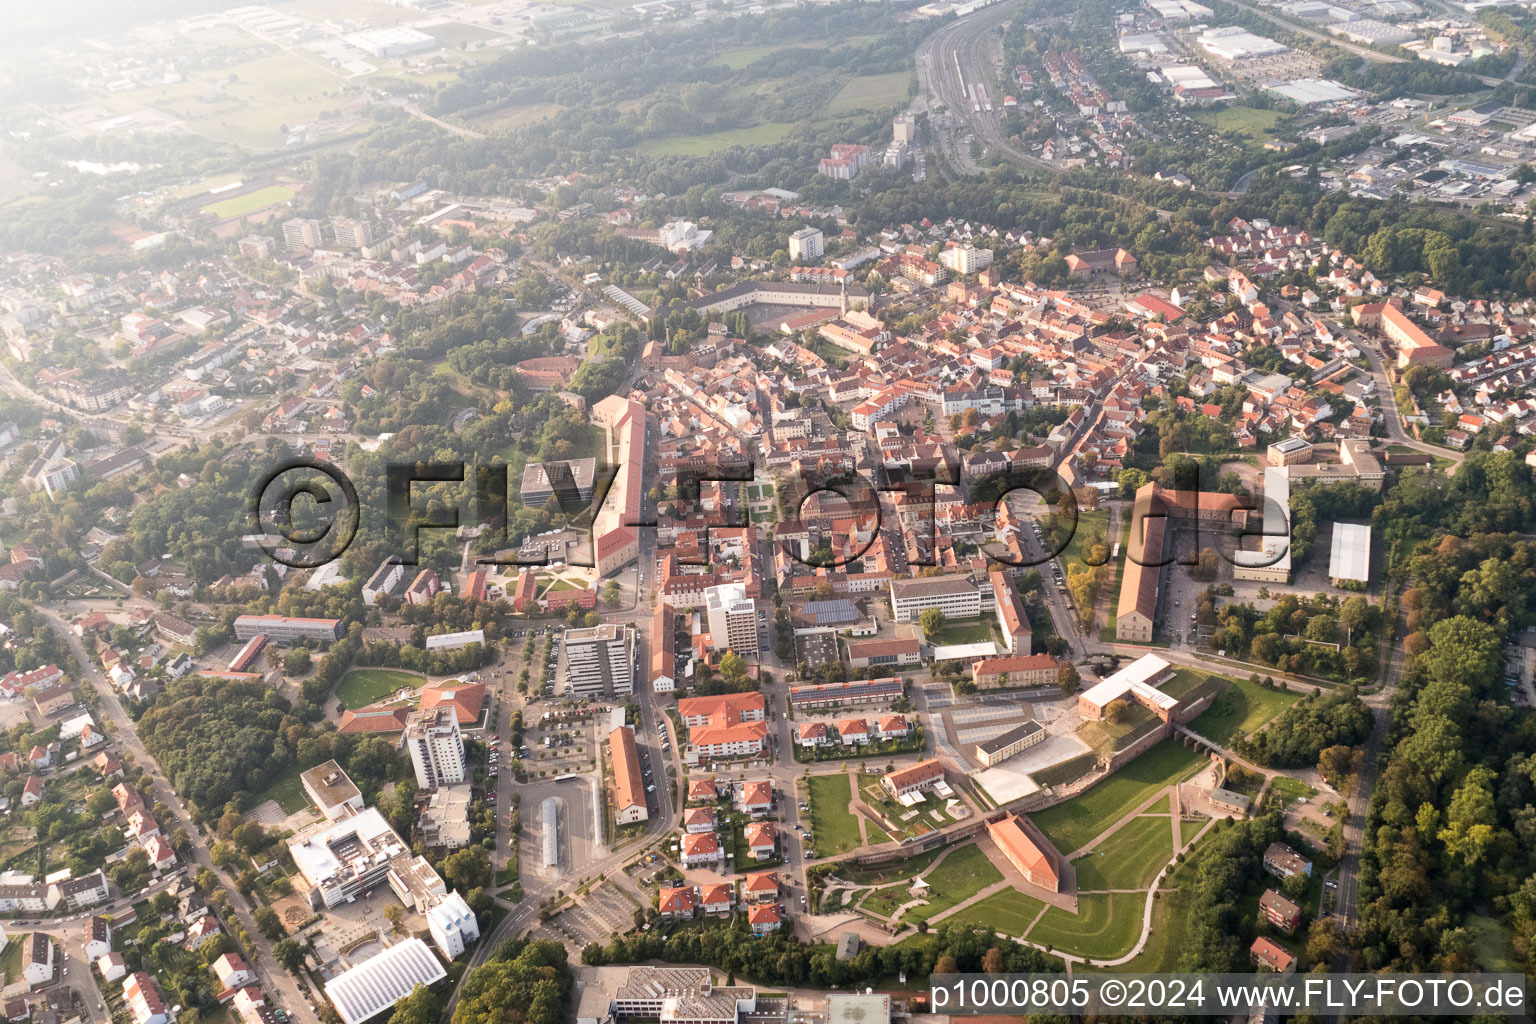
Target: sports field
{"type": "Point", "coordinates": [259, 199]}
{"type": "Point", "coordinates": [363, 686]}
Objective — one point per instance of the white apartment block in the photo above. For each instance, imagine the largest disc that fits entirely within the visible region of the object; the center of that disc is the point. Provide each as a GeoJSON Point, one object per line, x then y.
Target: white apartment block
{"type": "Point", "coordinates": [965, 259]}
{"type": "Point", "coordinates": [806, 244]}
{"type": "Point", "coordinates": [437, 748]}
{"type": "Point", "coordinates": [732, 618]}
{"type": "Point", "coordinates": [954, 595]}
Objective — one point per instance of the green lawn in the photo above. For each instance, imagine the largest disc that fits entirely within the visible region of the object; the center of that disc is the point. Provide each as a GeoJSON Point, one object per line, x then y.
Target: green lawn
{"type": "Point", "coordinates": [870, 92]}
{"type": "Point", "coordinates": [363, 686]}
{"type": "Point", "coordinates": [1008, 913]}
{"type": "Point", "coordinates": [1104, 926]}
{"type": "Point", "coordinates": [1170, 917]}
{"type": "Point", "coordinates": [1089, 524]}
{"type": "Point", "coordinates": [964, 631]}
{"type": "Point", "coordinates": [1188, 830]}
{"type": "Point", "coordinates": [1240, 709]}
{"type": "Point", "coordinates": [835, 828]}
{"type": "Point", "coordinates": [238, 206]}
{"type": "Point", "coordinates": [1291, 790]}
{"type": "Point", "coordinates": [1490, 939]}
{"type": "Point", "coordinates": [1129, 859]}
{"type": "Point", "coordinates": [702, 145]}
{"type": "Point", "coordinates": [961, 875]}
{"type": "Point", "coordinates": [1250, 122]}
{"type": "Point", "coordinates": [876, 833]}
{"type": "Point", "coordinates": [288, 791]}
{"type": "Point", "coordinates": [10, 960]}
{"type": "Point", "coordinates": [1072, 824]}
{"type": "Point", "coordinates": [1067, 771]}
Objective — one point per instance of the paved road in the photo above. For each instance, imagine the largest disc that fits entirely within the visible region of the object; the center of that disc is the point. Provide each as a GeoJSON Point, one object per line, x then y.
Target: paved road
{"type": "Point", "coordinates": [276, 981]}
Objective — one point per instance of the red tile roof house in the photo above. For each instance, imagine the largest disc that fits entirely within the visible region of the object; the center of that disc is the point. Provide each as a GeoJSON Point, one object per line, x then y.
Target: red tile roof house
{"type": "Point", "coordinates": [761, 840]}
{"type": "Point", "coordinates": [717, 898]}
{"type": "Point", "coordinates": [676, 904]}
{"type": "Point", "coordinates": [765, 918]}
{"type": "Point", "coordinates": [756, 798]}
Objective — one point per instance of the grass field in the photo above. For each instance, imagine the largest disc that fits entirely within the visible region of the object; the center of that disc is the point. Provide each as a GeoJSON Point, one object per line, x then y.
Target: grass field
{"type": "Point", "coordinates": [1105, 925]}
{"type": "Point", "coordinates": [1129, 859]}
{"type": "Point", "coordinates": [288, 791]}
{"type": "Point", "coordinates": [876, 833]}
{"type": "Point", "coordinates": [363, 686]}
{"type": "Point", "coordinates": [738, 59]}
{"type": "Point", "coordinates": [1249, 122]}
{"type": "Point", "coordinates": [835, 828]}
{"type": "Point", "coordinates": [250, 202]}
{"type": "Point", "coordinates": [871, 92]}
{"type": "Point", "coordinates": [1490, 940]}
{"type": "Point", "coordinates": [1066, 771]}
{"type": "Point", "coordinates": [1072, 824]}
{"type": "Point", "coordinates": [10, 960]}
{"type": "Point", "coordinates": [272, 93]}
{"type": "Point", "coordinates": [964, 631]}
{"type": "Point", "coordinates": [961, 875]}
{"type": "Point", "coordinates": [1008, 913]}
{"type": "Point", "coordinates": [1089, 524]}
{"type": "Point", "coordinates": [1170, 917]}
{"type": "Point", "coordinates": [514, 117]}
{"type": "Point", "coordinates": [1240, 709]}
{"type": "Point", "coordinates": [702, 145]}
{"type": "Point", "coordinates": [1189, 829]}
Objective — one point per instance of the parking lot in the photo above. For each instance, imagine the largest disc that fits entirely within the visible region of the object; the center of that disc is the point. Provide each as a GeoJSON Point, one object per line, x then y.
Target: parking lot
{"type": "Point", "coordinates": [604, 912]}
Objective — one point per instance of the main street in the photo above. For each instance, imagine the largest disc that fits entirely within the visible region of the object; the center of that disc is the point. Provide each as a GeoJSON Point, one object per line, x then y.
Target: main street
{"type": "Point", "coordinates": [276, 981]}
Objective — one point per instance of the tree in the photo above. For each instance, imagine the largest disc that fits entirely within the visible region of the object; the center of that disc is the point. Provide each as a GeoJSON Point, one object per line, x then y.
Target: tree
{"type": "Point", "coordinates": [932, 622]}
{"type": "Point", "coordinates": [1117, 712]}
{"type": "Point", "coordinates": [290, 954]}
{"type": "Point", "coordinates": [1068, 678]}
{"type": "Point", "coordinates": [1470, 820]}
{"type": "Point", "coordinates": [611, 593]}
{"type": "Point", "coordinates": [733, 669]}
{"type": "Point", "coordinates": [266, 920]}
{"type": "Point", "coordinates": [394, 914]}
{"type": "Point", "coordinates": [469, 868]}
{"type": "Point", "coordinates": [420, 1007]}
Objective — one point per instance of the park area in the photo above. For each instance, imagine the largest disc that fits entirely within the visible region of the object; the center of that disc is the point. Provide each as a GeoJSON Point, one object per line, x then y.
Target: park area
{"type": "Point", "coordinates": [1073, 824]}
{"type": "Point", "coordinates": [835, 828]}
{"type": "Point", "coordinates": [1240, 709]}
{"type": "Point", "coordinates": [362, 686]}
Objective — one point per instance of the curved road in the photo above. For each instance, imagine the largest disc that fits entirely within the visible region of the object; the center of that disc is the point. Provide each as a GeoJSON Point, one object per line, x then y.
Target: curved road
{"type": "Point", "coordinates": [972, 39]}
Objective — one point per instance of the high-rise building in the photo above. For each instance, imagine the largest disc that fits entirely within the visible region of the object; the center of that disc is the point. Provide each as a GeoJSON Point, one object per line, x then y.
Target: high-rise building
{"type": "Point", "coordinates": [806, 244]}
{"type": "Point", "coordinates": [301, 233]}
{"type": "Point", "coordinates": [352, 234]}
{"type": "Point", "coordinates": [904, 128]}
{"type": "Point", "coordinates": [600, 660]}
{"type": "Point", "coordinates": [437, 749]}
{"type": "Point", "coordinates": [256, 247]}
{"type": "Point", "coordinates": [965, 259]}
{"type": "Point", "coordinates": [732, 618]}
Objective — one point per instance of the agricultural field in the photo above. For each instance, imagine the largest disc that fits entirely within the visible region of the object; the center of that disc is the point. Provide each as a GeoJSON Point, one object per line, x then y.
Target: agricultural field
{"type": "Point", "coordinates": [870, 92]}
{"type": "Point", "coordinates": [702, 145]}
{"type": "Point", "coordinates": [259, 199]}
{"type": "Point", "coordinates": [363, 686]}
